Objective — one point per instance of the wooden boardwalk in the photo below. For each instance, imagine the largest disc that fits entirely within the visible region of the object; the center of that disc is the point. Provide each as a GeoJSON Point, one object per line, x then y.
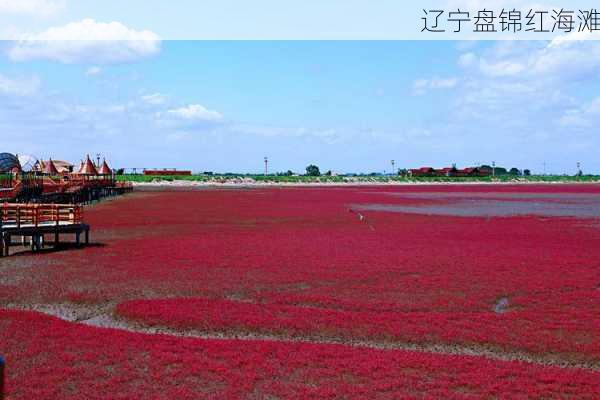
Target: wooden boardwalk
{"type": "Point", "coordinates": [33, 222]}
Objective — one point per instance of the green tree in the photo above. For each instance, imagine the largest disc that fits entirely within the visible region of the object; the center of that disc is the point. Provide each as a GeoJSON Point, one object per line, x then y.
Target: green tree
{"type": "Point", "coordinates": [514, 171]}
{"type": "Point", "coordinates": [313, 170]}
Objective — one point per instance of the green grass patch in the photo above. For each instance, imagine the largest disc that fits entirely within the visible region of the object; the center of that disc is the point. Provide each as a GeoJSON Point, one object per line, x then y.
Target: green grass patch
{"type": "Point", "coordinates": [221, 178]}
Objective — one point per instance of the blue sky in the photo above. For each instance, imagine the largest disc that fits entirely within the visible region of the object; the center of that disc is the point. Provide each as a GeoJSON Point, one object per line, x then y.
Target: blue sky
{"type": "Point", "coordinates": [348, 106]}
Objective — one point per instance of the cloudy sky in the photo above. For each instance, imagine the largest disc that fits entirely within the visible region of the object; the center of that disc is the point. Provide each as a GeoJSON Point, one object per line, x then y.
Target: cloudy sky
{"type": "Point", "coordinates": [123, 91]}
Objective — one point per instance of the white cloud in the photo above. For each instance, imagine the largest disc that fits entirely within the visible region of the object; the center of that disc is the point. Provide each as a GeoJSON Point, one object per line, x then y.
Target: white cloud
{"type": "Point", "coordinates": [155, 99]}
{"type": "Point", "coordinates": [573, 37]}
{"type": "Point", "coordinates": [501, 68]}
{"type": "Point", "coordinates": [87, 41]}
{"type": "Point", "coordinates": [503, 83]}
{"type": "Point", "coordinates": [41, 8]}
{"type": "Point", "coordinates": [571, 56]}
{"type": "Point", "coordinates": [534, 87]}
{"type": "Point", "coordinates": [467, 60]}
{"type": "Point", "coordinates": [19, 86]}
{"type": "Point", "coordinates": [421, 86]}
{"type": "Point", "coordinates": [93, 71]}
{"type": "Point", "coordinates": [196, 112]}
{"type": "Point", "coordinates": [583, 117]}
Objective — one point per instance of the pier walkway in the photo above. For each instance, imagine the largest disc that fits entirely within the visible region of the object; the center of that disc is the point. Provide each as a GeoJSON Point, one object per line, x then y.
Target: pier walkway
{"type": "Point", "coordinates": [33, 222]}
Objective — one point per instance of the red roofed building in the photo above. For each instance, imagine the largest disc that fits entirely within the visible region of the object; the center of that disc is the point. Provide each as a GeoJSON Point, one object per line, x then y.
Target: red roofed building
{"type": "Point", "coordinates": [50, 168]}
{"type": "Point", "coordinates": [449, 171]}
{"type": "Point", "coordinates": [472, 171]}
{"type": "Point", "coordinates": [424, 171]}
{"type": "Point", "coordinates": [63, 167]}
{"type": "Point", "coordinates": [105, 169]}
{"type": "Point", "coordinates": [88, 168]}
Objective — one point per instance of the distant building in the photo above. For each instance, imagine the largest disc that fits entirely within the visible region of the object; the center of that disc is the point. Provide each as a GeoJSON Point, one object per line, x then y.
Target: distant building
{"type": "Point", "coordinates": [448, 172]}
{"type": "Point", "coordinates": [486, 170]}
{"type": "Point", "coordinates": [471, 171]}
{"type": "Point", "coordinates": [63, 167]}
{"type": "Point", "coordinates": [423, 171]}
{"type": "Point", "coordinates": [167, 172]}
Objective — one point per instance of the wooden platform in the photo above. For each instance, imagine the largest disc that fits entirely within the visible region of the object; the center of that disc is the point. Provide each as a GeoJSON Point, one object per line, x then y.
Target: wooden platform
{"type": "Point", "coordinates": [32, 222]}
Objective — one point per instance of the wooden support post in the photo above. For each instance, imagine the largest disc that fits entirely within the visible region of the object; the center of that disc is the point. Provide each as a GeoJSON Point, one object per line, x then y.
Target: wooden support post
{"type": "Point", "coordinates": [56, 238]}
{"type": "Point", "coordinates": [6, 239]}
{"type": "Point", "coordinates": [87, 236]}
{"type": "Point", "coordinates": [78, 238]}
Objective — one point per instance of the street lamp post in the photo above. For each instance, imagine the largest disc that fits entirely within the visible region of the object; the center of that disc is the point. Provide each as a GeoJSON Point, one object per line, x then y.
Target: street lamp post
{"type": "Point", "coordinates": [266, 166]}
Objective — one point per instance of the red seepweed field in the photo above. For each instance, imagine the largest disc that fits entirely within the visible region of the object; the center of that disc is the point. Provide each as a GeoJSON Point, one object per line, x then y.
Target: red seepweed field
{"type": "Point", "coordinates": [471, 291]}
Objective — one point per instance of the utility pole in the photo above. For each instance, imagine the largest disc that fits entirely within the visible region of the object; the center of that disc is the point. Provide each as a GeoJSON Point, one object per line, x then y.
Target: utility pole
{"type": "Point", "coordinates": [544, 168]}
{"type": "Point", "coordinates": [579, 172]}
{"type": "Point", "coordinates": [493, 169]}
{"type": "Point", "coordinates": [266, 166]}
{"type": "Point", "coordinates": [393, 167]}
{"type": "Point", "coordinates": [98, 159]}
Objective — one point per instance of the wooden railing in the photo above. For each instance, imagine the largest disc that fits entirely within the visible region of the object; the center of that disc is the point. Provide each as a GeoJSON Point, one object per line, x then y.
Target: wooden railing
{"type": "Point", "coordinates": [12, 185]}
{"type": "Point", "coordinates": [18, 215]}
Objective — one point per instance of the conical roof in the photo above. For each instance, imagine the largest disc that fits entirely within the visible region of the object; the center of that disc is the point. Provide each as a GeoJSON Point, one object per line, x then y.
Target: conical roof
{"type": "Point", "coordinates": [105, 169]}
{"type": "Point", "coordinates": [88, 167]}
{"type": "Point", "coordinates": [50, 168]}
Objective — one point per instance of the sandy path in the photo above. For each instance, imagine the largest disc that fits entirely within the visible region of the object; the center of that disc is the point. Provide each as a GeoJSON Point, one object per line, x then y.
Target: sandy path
{"type": "Point", "coordinates": [102, 317]}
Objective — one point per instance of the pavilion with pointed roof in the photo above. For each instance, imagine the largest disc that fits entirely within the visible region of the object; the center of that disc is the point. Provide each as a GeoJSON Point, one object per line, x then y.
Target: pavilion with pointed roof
{"type": "Point", "coordinates": [50, 168]}
{"type": "Point", "coordinates": [105, 169]}
{"type": "Point", "coordinates": [87, 167]}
